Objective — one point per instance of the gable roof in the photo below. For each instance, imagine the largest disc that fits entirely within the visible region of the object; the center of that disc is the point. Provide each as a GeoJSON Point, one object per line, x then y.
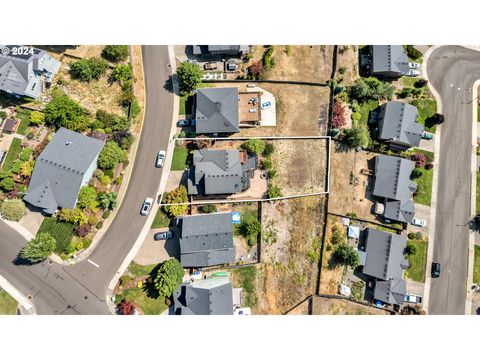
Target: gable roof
{"type": "Point", "coordinates": [389, 59]}
{"type": "Point", "coordinates": [212, 296]}
{"type": "Point", "coordinates": [385, 255]}
{"type": "Point", "coordinates": [206, 240]}
{"type": "Point", "coordinates": [398, 124]}
{"type": "Point", "coordinates": [217, 110]}
{"type": "Point", "coordinates": [400, 210]}
{"type": "Point", "coordinates": [23, 74]}
{"type": "Point", "coordinates": [60, 170]}
{"type": "Point", "coordinates": [392, 178]}
{"type": "Point", "coordinates": [391, 291]}
{"type": "Point", "coordinates": [215, 172]}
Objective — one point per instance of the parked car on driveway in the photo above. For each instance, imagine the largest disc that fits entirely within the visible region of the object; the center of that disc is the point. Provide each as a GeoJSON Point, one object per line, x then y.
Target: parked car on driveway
{"type": "Point", "coordinates": [147, 205]}
{"type": "Point", "coordinates": [164, 235]}
{"type": "Point", "coordinates": [419, 222]}
{"type": "Point", "coordinates": [413, 72]}
{"type": "Point", "coordinates": [184, 122]}
{"type": "Point", "coordinates": [435, 270]}
{"type": "Point", "coordinates": [160, 158]}
{"type": "Point", "coordinates": [414, 299]}
{"type": "Point", "coordinates": [413, 65]}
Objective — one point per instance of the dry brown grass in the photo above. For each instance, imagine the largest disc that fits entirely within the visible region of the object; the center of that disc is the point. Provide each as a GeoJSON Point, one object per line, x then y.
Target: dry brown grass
{"type": "Point", "coordinates": [323, 306]}
{"type": "Point", "coordinates": [330, 277]}
{"type": "Point", "coordinates": [348, 58]}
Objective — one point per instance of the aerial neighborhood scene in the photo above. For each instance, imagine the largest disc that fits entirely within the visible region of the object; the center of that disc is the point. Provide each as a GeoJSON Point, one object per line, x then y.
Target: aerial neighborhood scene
{"type": "Point", "coordinates": [239, 180]}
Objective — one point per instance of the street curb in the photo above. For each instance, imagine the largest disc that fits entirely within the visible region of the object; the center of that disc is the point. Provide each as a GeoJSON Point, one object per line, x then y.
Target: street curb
{"type": "Point", "coordinates": [18, 296]}
{"type": "Point", "coordinates": [146, 228]}
{"type": "Point", "coordinates": [433, 203]}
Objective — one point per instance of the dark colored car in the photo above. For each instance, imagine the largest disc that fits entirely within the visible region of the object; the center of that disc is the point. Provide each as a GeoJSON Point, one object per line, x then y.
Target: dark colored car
{"type": "Point", "coordinates": [435, 270]}
{"type": "Point", "coordinates": [163, 235]}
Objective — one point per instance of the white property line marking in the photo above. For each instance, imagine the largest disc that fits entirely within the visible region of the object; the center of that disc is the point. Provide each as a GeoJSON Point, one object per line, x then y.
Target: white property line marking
{"type": "Point", "coordinates": [94, 264]}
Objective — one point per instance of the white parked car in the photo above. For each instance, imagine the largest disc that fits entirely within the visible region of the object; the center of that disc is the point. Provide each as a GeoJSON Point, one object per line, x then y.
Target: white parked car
{"type": "Point", "coordinates": [413, 65]}
{"type": "Point", "coordinates": [413, 72]}
{"type": "Point", "coordinates": [160, 158]}
{"type": "Point", "coordinates": [147, 205]}
{"type": "Point", "coordinates": [252, 110]}
{"type": "Point", "coordinates": [414, 299]}
{"type": "Point", "coordinates": [419, 222]}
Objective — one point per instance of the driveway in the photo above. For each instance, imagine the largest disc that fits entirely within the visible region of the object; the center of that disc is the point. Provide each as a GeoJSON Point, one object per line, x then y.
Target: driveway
{"type": "Point", "coordinates": [157, 251]}
{"type": "Point", "coordinates": [452, 71]}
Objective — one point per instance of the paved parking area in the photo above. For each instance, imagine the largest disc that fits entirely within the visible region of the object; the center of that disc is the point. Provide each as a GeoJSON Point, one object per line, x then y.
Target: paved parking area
{"type": "Point", "coordinates": [421, 212]}
{"type": "Point", "coordinates": [154, 252]}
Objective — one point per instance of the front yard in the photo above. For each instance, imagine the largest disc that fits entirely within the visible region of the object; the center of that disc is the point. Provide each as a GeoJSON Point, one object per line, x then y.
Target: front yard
{"type": "Point", "coordinates": [478, 193]}
{"type": "Point", "coordinates": [149, 306]}
{"type": "Point", "coordinates": [8, 305]}
{"type": "Point", "coordinates": [417, 261]}
{"type": "Point", "coordinates": [424, 182]}
{"type": "Point", "coordinates": [62, 232]}
{"type": "Point", "coordinates": [476, 270]}
{"type": "Point", "coordinates": [426, 108]}
{"type": "Point", "coordinates": [179, 160]}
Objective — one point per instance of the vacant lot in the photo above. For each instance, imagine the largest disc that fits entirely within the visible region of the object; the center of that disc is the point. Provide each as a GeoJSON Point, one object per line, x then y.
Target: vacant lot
{"type": "Point", "coordinates": [347, 62]}
{"type": "Point", "coordinates": [290, 253]}
{"type": "Point", "coordinates": [323, 306]}
{"type": "Point", "coordinates": [301, 166]}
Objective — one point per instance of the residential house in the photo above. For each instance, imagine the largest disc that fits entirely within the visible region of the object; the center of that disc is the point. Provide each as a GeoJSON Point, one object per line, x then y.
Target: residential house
{"type": "Point", "coordinates": [216, 111]}
{"type": "Point", "coordinates": [398, 125]}
{"type": "Point", "coordinates": [212, 296]}
{"type": "Point", "coordinates": [24, 71]}
{"type": "Point", "coordinates": [65, 165]}
{"type": "Point", "coordinates": [392, 182]}
{"type": "Point", "coordinates": [211, 50]}
{"type": "Point", "coordinates": [206, 240]}
{"type": "Point", "coordinates": [389, 61]}
{"type": "Point", "coordinates": [385, 261]}
{"type": "Point", "coordinates": [217, 172]}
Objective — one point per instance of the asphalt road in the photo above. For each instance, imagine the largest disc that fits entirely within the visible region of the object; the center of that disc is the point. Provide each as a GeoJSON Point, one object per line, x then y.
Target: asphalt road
{"type": "Point", "coordinates": [452, 70]}
{"type": "Point", "coordinates": [81, 288]}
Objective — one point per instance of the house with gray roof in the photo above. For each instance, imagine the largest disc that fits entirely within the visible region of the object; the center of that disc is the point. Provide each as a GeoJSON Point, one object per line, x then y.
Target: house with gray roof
{"type": "Point", "coordinates": [216, 111]}
{"type": "Point", "coordinates": [398, 125]}
{"type": "Point", "coordinates": [206, 240]}
{"type": "Point", "coordinates": [27, 72]}
{"type": "Point", "coordinates": [212, 296]}
{"type": "Point", "coordinates": [391, 291]}
{"type": "Point", "coordinates": [230, 50]}
{"type": "Point", "coordinates": [217, 172]}
{"type": "Point", "coordinates": [389, 61]}
{"type": "Point", "coordinates": [65, 165]}
{"type": "Point", "coordinates": [392, 182]}
{"type": "Point", "coordinates": [385, 257]}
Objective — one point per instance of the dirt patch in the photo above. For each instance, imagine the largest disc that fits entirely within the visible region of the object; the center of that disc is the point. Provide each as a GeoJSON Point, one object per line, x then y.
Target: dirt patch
{"type": "Point", "coordinates": [347, 61]}
{"type": "Point", "coordinates": [289, 269]}
{"type": "Point", "coordinates": [324, 306]}
{"type": "Point", "coordinates": [86, 51]}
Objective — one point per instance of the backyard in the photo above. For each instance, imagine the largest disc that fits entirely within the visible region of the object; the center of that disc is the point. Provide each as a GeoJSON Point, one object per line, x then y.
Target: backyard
{"type": "Point", "coordinates": [8, 305]}
{"type": "Point", "coordinates": [417, 261]}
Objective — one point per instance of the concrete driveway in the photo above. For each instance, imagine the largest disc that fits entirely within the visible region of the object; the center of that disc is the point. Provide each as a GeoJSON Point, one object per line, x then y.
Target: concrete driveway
{"type": "Point", "coordinates": [157, 251]}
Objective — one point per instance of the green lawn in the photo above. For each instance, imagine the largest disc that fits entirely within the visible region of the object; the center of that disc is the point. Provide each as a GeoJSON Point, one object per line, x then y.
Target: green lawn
{"type": "Point", "coordinates": [478, 193]}
{"type": "Point", "coordinates": [179, 160]}
{"type": "Point", "coordinates": [148, 305]}
{"type": "Point", "coordinates": [185, 103]}
{"type": "Point", "coordinates": [246, 280]}
{"type": "Point", "coordinates": [138, 270]}
{"type": "Point", "coordinates": [428, 154]}
{"type": "Point", "coordinates": [426, 108]}
{"type": "Point", "coordinates": [476, 264]}
{"type": "Point", "coordinates": [8, 305]}
{"type": "Point", "coordinates": [416, 271]}
{"type": "Point", "coordinates": [161, 220]}
{"type": "Point", "coordinates": [424, 195]}
{"type": "Point", "coordinates": [365, 109]}
{"type": "Point", "coordinates": [61, 231]}
{"type": "Point", "coordinates": [12, 155]}
{"type": "Point", "coordinates": [24, 116]}
{"type": "Point", "coordinates": [408, 81]}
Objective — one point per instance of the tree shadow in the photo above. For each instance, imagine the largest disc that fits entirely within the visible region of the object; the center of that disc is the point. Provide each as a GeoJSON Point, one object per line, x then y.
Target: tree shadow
{"type": "Point", "coordinates": [24, 262]}
{"type": "Point", "coordinates": [169, 85]}
{"type": "Point", "coordinates": [429, 122]}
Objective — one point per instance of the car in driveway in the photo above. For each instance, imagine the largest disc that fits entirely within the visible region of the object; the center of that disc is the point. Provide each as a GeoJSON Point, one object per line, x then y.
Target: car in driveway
{"type": "Point", "coordinates": [160, 158]}
{"type": "Point", "coordinates": [413, 72]}
{"type": "Point", "coordinates": [164, 235]}
{"type": "Point", "coordinates": [414, 299]}
{"type": "Point", "coordinates": [413, 65]}
{"type": "Point", "coordinates": [419, 222]}
{"type": "Point", "coordinates": [147, 205]}
{"type": "Point", "coordinates": [436, 269]}
{"type": "Point", "coordinates": [183, 122]}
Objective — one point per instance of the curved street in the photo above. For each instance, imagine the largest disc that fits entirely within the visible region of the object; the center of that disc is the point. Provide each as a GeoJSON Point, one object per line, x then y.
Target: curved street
{"type": "Point", "coordinates": [452, 70]}
{"type": "Point", "coordinates": [81, 288]}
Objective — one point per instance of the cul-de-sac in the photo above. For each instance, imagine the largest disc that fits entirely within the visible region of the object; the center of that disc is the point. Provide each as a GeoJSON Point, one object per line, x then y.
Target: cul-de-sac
{"type": "Point", "coordinates": [239, 180]}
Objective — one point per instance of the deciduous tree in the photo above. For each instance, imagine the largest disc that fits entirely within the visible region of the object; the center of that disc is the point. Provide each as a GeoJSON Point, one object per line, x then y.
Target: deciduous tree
{"type": "Point", "coordinates": [168, 277]}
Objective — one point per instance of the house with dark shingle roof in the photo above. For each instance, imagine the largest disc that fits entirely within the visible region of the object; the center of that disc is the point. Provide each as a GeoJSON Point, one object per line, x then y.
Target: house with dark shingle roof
{"type": "Point", "coordinates": [212, 296]}
{"type": "Point", "coordinates": [206, 240]}
{"type": "Point", "coordinates": [385, 261]}
{"type": "Point", "coordinates": [392, 182]}
{"type": "Point", "coordinates": [26, 73]}
{"type": "Point", "coordinates": [398, 125]}
{"type": "Point", "coordinates": [389, 61]}
{"type": "Point", "coordinates": [220, 172]}
{"type": "Point", "coordinates": [65, 165]}
{"type": "Point", "coordinates": [216, 111]}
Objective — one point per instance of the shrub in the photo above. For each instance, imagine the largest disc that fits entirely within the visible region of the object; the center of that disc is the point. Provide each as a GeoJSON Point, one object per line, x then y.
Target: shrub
{"type": "Point", "coordinates": [88, 69]}
{"type": "Point", "coordinates": [125, 307]}
{"type": "Point", "coordinates": [105, 180]}
{"type": "Point", "coordinates": [87, 197]}
{"type": "Point", "coordinates": [429, 166]}
{"type": "Point", "coordinates": [110, 155]}
{"type": "Point", "coordinates": [112, 122]}
{"type": "Point", "coordinates": [168, 277]}
{"type": "Point", "coordinates": [410, 250]}
{"type": "Point", "coordinates": [124, 139]}
{"type": "Point", "coordinates": [351, 215]}
{"type": "Point", "coordinates": [337, 236]}
{"type": "Point", "coordinates": [13, 210]}
{"type": "Point", "coordinates": [41, 247]}
{"type": "Point", "coordinates": [356, 116]}
{"type": "Point", "coordinates": [75, 216]}
{"type": "Point", "coordinates": [405, 92]}
{"type": "Point", "coordinates": [249, 228]}
{"type": "Point", "coordinates": [190, 77]}
{"type": "Point", "coordinates": [358, 136]}
{"type": "Point", "coordinates": [411, 236]}
{"type": "Point", "coordinates": [25, 154]}
{"type": "Point", "coordinates": [274, 192]}
{"type": "Point", "coordinates": [135, 109]}
{"type": "Point", "coordinates": [125, 279]}
{"type": "Point", "coordinates": [208, 208]}
{"type": "Point", "coordinates": [418, 235]}
{"type": "Point", "coordinates": [269, 149]}
{"type": "Point", "coordinates": [64, 112]}
{"type": "Point", "coordinates": [420, 83]}
{"type": "Point", "coordinates": [17, 167]}
{"type": "Point", "coordinates": [412, 53]}
{"type": "Point", "coordinates": [3, 115]}
{"type": "Point", "coordinates": [178, 195]}
{"type": "Point", "coordinates": [256, 146]}
{"type": "Point", "coordinates": [256, 69]}
{"type": "Point", "coordinates": [346, 255]}
{"type": "Point", "coordinates": [338, 119]}
{"type": "Point", "coordinates": [416, 173]}
{"type": "Point", "coordinates": [437, 119]}
{"type": "Point", "coordinates": [342, 70]}
{"type": "Point", "coordinates": [122, 73]}
{"type": "Point", "coordinates": [115, 53]}
{"type": "Point", "coordinates": [267, 58]}
{"type": "Point", "coordinates": [420, 159]}
{"type": "Point", "coordinates": [83, 230]}
{"type": "Point", "coordinates": [371, 88]}
{"type": "Point", "coordinates": [99, 225]}
{"type": "Point", "coordinates": [7, 184]}
{"type": "Point", "coordinates": [106, 214]}
{"type": "Point", "coordinates": [36, 118]}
